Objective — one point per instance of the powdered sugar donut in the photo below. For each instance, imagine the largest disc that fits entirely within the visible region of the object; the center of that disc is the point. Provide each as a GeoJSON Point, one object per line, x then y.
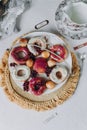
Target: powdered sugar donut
{"type": "Point", "coordinates": [58, 74]}
{"type": "Point", "coordinates": [20, 73]}
{"type": "Point", "coordinates": [38, 41]}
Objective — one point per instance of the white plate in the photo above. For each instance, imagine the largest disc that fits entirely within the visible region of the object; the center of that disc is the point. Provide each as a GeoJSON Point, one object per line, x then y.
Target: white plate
{"type": "Point", "coordinates": [53, 39]}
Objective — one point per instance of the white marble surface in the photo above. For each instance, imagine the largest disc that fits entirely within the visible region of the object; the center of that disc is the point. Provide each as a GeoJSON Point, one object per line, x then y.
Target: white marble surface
{"type": "Point", "coordinates": [72, 114]}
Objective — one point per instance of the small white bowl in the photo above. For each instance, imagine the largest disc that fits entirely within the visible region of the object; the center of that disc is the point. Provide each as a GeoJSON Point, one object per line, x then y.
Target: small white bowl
{"type": "Point", "coordinates": [71, 18]}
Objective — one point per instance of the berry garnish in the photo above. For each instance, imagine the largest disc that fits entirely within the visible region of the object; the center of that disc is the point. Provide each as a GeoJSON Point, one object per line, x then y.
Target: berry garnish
{"type": "Point", "coordinates": [26, 86]}
{"type": "Point", "coordinates": [33, 73]}
{"type": "Point", "coordinates": [48, 70]}
{"type": "Point", "coordinates": [13, 64]}
{"type": "Point", "coordinates": [31, 56]}
{"type": "Point", "coordinates": [38, 49]}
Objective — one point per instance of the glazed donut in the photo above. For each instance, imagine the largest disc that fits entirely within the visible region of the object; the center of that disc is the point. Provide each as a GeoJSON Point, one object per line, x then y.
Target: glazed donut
{"type": "Point", "coordinates": [37, 86]}
{"type": "Point", "coordinates": [59, 74]}
{"type": "Point", "coordinates": [61, 51]}
{"type": "Point", "coordinates": [20, 73]}
{"type": "Point", "coordinates": [20, 54]}
{"type": "Point", "coordinates": [39, 41]}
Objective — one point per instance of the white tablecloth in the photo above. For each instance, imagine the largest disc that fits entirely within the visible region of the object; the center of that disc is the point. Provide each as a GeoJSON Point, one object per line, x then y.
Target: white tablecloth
{"type": "Point", "coordinates": [72, 114]}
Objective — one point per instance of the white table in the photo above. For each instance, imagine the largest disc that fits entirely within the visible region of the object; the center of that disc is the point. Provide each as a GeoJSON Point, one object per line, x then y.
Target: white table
{"type": "Point", "coordinates": [72, 114]}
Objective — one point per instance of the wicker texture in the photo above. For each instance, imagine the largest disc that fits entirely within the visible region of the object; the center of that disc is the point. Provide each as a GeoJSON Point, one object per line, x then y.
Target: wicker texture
{"type": "Point", "coordinates": [61, 95]}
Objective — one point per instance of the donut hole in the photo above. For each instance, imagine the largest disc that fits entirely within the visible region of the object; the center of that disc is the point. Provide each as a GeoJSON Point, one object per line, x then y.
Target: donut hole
{"type": "Point", "coordinates": [21, 54]}
{"type": "Point", "coordinates": [38, 44]}
{"type": "Point", "coordinates": [58, 52]}
{"type": "Point", "coordinates": [59, 75]}
{"type": "Point", "coordinates": [21, 73]}
{"type": "Point", "coordinates": [36, 87]}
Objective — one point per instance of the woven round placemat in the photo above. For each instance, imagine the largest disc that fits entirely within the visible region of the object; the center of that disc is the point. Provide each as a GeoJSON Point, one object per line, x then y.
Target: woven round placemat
{"type": "Point", "coordinates": [61, 95]}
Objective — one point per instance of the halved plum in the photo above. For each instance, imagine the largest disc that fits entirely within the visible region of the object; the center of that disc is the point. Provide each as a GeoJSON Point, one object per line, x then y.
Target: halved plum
{"type": "Point", "coordinates": [40, 65]}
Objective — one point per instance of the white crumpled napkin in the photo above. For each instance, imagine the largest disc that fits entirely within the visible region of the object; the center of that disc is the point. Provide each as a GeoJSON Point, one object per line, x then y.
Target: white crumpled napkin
{"type": "Point", "coordinates": [8, 19]}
